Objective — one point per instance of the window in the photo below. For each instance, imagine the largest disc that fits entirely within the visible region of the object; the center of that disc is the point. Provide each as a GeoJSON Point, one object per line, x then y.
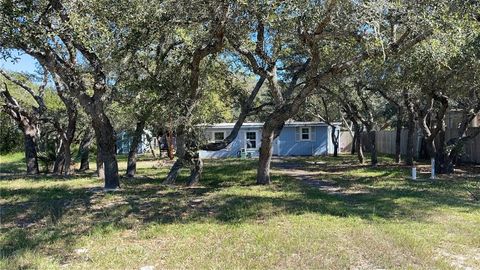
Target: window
{"type": "Point", "coordinates": [218, 136]}
{"type": "Point", "coordinates": [251, 140]}
{"type": "Point", "coordinates": [305, 134]}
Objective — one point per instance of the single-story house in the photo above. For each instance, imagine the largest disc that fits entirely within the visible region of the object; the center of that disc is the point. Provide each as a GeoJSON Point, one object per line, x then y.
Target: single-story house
{"type": "Point", "coordinates": [295, 139]}
{"type": "Point", "coordinates": [124, 140]}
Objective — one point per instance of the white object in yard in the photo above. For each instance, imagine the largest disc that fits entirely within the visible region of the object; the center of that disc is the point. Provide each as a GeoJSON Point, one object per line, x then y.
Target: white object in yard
{"type": "Point", "coordinates": [433, 169]}
{"type": "Point", "coordinates": [414, 173]}
{"type": "Point", "coordinates": [148, 267]}
{"type": "Point", "coordinates": [81, 250]}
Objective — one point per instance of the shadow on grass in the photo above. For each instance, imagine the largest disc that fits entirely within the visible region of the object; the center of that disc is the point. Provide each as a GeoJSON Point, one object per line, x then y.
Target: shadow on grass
{"type": "Point", "coordinates": [32, 217]}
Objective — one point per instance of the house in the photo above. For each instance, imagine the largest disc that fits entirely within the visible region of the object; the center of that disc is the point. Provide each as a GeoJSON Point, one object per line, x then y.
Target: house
{"type": "Point", "coordinates": [124, 140]}
{"type": "Point", "coordinates": [295, 139]}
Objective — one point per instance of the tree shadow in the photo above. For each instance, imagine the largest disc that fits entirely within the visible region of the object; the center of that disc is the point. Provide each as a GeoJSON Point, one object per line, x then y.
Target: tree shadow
{"type": "Point", "coordinates": [32, 217]}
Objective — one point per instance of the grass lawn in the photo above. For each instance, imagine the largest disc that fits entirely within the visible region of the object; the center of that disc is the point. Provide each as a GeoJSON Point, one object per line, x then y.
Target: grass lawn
{"type": "Point", "coordinates": [366, 218]}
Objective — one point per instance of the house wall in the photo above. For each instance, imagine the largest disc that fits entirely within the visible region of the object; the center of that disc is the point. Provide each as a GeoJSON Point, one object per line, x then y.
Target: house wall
{"type": "Point", "coordinates": [124, 140]}
{"type": "Point", "coordinates": [285, 145]}
{"type": "Point", "coordinates": [233, 149]}
{"type": "Point", "coordinates": [288, 145]}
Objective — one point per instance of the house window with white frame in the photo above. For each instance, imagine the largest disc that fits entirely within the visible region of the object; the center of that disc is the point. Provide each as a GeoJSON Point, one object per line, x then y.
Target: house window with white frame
{"type": "Point", "coordinates": [251, 140]}
{"type": "Point", "coordinates": [305, 134]}
{"type": "Point", "coordinates": [218, 136]}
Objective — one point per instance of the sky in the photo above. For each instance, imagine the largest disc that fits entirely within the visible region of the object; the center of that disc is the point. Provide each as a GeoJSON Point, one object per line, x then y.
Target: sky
{"type": "Point", "coordinates": [24, 63]}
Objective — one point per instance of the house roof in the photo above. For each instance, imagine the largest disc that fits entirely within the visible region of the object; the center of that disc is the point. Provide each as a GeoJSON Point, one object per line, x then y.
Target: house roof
{"type": "Point", "coordinates": [259, 124]}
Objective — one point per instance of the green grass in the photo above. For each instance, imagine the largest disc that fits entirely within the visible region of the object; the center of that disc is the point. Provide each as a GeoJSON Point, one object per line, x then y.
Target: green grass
{"type": "Point", "coordinates": [381, 220]}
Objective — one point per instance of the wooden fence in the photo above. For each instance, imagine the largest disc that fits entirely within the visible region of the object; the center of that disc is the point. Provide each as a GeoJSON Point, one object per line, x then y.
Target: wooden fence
{"type": "Point", "coordinates": [386, 143]}
{"type": "Point", "coordinates": [346, 141]}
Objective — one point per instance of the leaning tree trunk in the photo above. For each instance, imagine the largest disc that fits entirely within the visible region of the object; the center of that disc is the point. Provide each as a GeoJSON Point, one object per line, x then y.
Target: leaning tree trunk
{"type": "Point", "coordinates": [132, 154]}
{"type": "Point", "coordinates": [179, 163]}
{"type": "Point", "coordinates": [31, 150]}
{"type": "Point", "coordinates": [195, 170]}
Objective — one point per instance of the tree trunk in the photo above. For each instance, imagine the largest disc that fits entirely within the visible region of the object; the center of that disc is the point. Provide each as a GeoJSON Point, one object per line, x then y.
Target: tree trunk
{"type": "Point", "coordinates": [84, 151]}
{"type": "Point", "coordinates": [100, 167]}
{"type": "Point", "coordinates": [132, 154]}
{"type": "Point", "coordinates": [372, 134]}
{"type": "Point", "coordinates": [410, 139]}
{"type": "Point", "coordinates": [443, 162]}
{"type": "Point", "coordinates": [354, 143]}
{"type": "Point", "coordinates": [173, 173]}
{"type": "Point", "coordinates": [59, 160]}
{"type": "Point", "coordinates": [358, 143]}
{"type": "Point", "coordinates": [195, 171]}
{"type": "Point", "coordinates": [106, 143]}
{"type": "Point", "coordinates": [335, 135]}
{"type": "Point", "coordinates": [67, 170]}
{"type": "Point", "coordinates": [31, 152]}
{"type": "Point", "coordinates": [430, 146]}
{"type": "Point", "coordinates": [69, 135]}
{"type": "Point", "coordinates": [112, 180]}
{"type": "Point", "coordinates": [359, 150]}
{"type": "Point", "coordinates": [179, 163]}
{"type": "Point", "coordinates": [263, 171]}
{"type": "Point", "coordinates": [398, 140]}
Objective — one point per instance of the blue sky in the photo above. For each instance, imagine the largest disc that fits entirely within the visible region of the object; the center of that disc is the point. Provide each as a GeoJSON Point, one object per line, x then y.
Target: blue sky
{"type": "Point", "coordinates": [24, 63]}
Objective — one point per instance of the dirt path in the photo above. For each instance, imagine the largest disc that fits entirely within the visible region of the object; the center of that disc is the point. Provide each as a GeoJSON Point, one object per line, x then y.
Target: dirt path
{"type": "Point", "coordinates": [313, 177]}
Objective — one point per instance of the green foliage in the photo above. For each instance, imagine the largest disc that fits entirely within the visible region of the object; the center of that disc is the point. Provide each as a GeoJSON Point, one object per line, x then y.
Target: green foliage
{"type": "Point", "coordinates": [10, 137]}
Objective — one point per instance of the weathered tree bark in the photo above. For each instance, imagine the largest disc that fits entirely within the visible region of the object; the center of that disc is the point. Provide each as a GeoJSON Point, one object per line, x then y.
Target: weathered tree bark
{"type": "Point", "coordinates": [358, 142]}
{"type": "Point", "coordinates": [84, 150]}
{"type": "Point", "coordinates": [443, 162]}
{"type": "Point", "coordinates": [100, 165]}
{"type": "Point", "coordinates": [67, 166]}
{"type": "Point", "coordinates": [69, 133]}
{"type": "Point", "coordinates": [410, 140]}
{"type": "Point", "coordinates": [179, 163]}
{"type": "Point", "coordinates": [335, 135]}
{"type": "Point", "coordinates": [411, 127]}
{"type": "Point", "coordinates": [359, 150]}
{"type": "Point", "coordinates": [431, 131]}
{"type": "Point", "coordinates": [354, 143]}
{"type": "Point", "coordinates": [196, 170]}
{"type": "Point", "coordinates": [106, 140]}
{"type": "Point", "coordinates": [31, 151]}
{"type": "Point", "coordinates": [263, 171]}
{"type": "Point", "coordinates": [59, 160]}
{"type": "Point", "coordinates": [132, 154]}
{"type": "Point", "coordinates": [398, 138]}
{"type": "Point", "coordinates": [372, 134]}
